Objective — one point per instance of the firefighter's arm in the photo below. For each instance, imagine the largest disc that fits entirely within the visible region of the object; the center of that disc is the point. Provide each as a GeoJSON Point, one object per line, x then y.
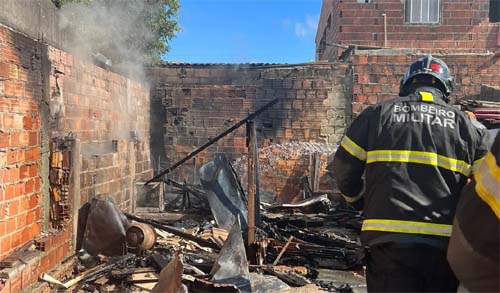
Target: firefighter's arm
{"type": "Point", "coordinates": [482, 147]}
{"type": "Point", "coordinates": [350, 159]}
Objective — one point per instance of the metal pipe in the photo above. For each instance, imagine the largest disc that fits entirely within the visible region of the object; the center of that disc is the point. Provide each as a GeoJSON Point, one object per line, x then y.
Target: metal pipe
{"type": "Point", "coordinates": [385, 29]}
{"type": "Point", "coordinates": [174, 231]}
{"type": "Point", "coordinates": [213, 140]}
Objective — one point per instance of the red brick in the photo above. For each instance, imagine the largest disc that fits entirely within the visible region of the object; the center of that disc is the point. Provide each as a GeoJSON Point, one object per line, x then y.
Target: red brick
{"type": "Point", "coordinates": [20, 222]}
{"type": "Point", "coordinates": [24, 172]}
{"type": "Point", "coordinates": [24, 139]}
{"type": "Point", "coordinates": [14, 139]}
{"type": "Point", "coordinates": [4, 140]}
{"type": "Point", "coordinates": [13, 208]}
{"type": "Point", "coordinates": [38, 183]}
{"type": "Point", "coordinates": [33, 170]}
{"type": "Point", "coordinates": [26, 235]}
{"type": "Point", "coordinates": [33, 201]}
{"type": "Point", "coordinates": [4, 69]}
{"type": "Point", "coordinates": [35, 230]}
{"type": "Point", "coordinates": [23, 204]}
{"type": "Point", "coordinates": [27, 122]}
{"type": "Point", "coordinates": [14, 174]}
{"type": "Point", "coordinates": [33, 138]}
{"type": "Point", "coordinates": [16, 240]}
{"type": "Point", "coordinates": [10, 191]}
{"type": "Point", "coordinates": [20, 189]}
{"type": "Point", "coordinates": [29, 187]}
{"type": "Point", "coordinates": [6, 243]}
{"type": "Point", "coordinates": [30, 217]}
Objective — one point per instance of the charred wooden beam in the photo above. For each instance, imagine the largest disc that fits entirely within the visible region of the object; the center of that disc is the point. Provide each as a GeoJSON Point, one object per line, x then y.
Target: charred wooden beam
{"type": "Point", "coordinates": [213, 140]}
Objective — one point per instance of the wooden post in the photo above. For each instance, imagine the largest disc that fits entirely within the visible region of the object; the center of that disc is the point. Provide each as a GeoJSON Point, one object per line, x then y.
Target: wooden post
{"type": "Point", "coordinates": [256, 179]}
{"type": "Point", "coordinates": [251, 183]}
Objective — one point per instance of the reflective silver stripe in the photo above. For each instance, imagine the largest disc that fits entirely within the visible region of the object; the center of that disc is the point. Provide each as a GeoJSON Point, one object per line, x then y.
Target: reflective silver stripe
{"type": "Point", "coordinates": [408, 227]}
{"type": "Point", "coordinates": [487, 179]}
{"type": "Point", "coordinates": [476, 164]}
{"type": "Point", "coordinates": [353, 148]}
{"type": "Point", "coordinates": [427, 158]}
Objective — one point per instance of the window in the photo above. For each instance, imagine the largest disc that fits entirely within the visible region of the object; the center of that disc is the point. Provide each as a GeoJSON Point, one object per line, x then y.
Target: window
{"type": "Point", "coordinates": [494, 11]}
{"type": "Point", "coordinates": [422, 11]}
{"type": "Point", "coordinates": [364, 1]}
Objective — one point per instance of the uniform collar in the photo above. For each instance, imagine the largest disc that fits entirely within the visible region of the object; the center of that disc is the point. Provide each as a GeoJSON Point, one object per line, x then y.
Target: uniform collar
{"type": "Point", "coordinates": [438, 96]}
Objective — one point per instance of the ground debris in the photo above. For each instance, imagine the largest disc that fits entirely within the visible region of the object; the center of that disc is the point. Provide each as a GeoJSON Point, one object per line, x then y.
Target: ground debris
{"type": "Point", "coordinates": [295, 245]}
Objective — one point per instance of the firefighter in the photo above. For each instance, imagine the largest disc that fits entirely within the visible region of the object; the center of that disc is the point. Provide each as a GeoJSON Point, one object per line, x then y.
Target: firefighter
{"type": "Point", "coordinates": [416, 153]}
{"type": "Point", "coordinates": [473, 251]}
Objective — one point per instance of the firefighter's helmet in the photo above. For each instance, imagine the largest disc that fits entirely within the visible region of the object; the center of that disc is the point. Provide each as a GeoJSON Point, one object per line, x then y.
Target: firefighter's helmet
{"type": "Point", "coordinates": [428, 66]}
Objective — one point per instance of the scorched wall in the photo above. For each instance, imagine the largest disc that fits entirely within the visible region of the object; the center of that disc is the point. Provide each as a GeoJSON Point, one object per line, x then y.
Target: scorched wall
{"type": "Point", "coordinates": [196, 102]}
{"type": "Point", "coordinates": [48, 96]}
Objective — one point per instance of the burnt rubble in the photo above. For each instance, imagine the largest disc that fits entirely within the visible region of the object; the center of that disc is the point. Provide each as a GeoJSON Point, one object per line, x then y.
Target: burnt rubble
{"type": "Point", "coordinates": [294, 247]}
{"type": "Point", "coordinates": [223, 240]}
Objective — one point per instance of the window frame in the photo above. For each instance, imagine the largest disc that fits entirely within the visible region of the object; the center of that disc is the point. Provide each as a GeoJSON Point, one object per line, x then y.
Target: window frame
{"type": "Point", "coordinates": [408, 13]}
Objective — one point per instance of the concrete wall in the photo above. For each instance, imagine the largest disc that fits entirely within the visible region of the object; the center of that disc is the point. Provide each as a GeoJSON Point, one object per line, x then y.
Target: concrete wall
{"type": "Point", "coordinates": [195, 103]}
{"type": "Point", "coordinates": [38, 19]}
{"type": "Point", "coordinates": [463, 26]}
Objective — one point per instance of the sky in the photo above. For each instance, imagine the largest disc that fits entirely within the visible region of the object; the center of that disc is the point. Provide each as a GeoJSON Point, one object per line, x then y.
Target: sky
{"type": "Point", "coordinates": [241, 31]}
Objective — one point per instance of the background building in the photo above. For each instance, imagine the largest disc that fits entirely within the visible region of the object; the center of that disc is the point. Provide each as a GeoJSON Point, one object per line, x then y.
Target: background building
{"type": "Point", "coordinates": [440, 25]}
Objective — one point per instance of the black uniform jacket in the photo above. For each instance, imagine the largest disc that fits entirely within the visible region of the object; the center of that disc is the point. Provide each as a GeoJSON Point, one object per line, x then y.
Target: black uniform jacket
{"type": "Point", "coordinates": [416, 153]}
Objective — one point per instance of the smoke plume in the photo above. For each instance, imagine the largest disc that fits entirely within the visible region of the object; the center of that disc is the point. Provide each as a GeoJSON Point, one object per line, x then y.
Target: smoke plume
{"type": "Point", "coordinates": [115, 31]}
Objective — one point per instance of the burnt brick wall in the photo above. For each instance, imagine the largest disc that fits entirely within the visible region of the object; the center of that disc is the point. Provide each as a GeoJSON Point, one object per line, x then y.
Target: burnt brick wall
{"type": "Point", "coordinates": [377, 75]}
{"type": "Point", "coordinates": [109, 114]}
{"type": "Point", "coordinates": [47, 93]}
{"type": "Point", "coordinates": [464, 26]}
{"type": "Point", "coordinates": [197, 102]}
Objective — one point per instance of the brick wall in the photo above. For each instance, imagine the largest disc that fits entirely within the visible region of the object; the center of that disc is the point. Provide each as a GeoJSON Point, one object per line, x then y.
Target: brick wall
{"type": "Point", "coordinates": [201, 101]}
{"type": "Point", "coordinates": [20, 96]}
{"type": "Point", "coordinates": [109, 114]}
{"type": "Point", "coordinates": [377, 75]}
{"type": "Point", "coordinates": [463, 26]}
{"type": "Point", "coordinates": [46, 93]}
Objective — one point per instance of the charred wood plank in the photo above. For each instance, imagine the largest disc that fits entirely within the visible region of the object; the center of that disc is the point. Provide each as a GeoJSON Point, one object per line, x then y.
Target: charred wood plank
{"type": "Point", "coordinates": [213, 140]}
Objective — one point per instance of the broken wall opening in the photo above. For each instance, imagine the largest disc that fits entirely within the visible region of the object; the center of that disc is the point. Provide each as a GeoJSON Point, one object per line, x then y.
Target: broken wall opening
{"type": "Point", "coordinates": [201, 101]}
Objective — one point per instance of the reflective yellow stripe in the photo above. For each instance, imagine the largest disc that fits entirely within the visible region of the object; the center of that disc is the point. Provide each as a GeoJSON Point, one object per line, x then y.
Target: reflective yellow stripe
{"type": "Point", "coordinates": [487, 179]}
{"type": "Point", "coordinates": [353, 199]}
{"type": "Point", "coordinates": [426, 97]}
{"type": "Point", "coordinates": [418, 157]}
{"type": "Point", "coordinates": [409, 227]}
{"type": "Point", "coordinates": [352, 148]}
